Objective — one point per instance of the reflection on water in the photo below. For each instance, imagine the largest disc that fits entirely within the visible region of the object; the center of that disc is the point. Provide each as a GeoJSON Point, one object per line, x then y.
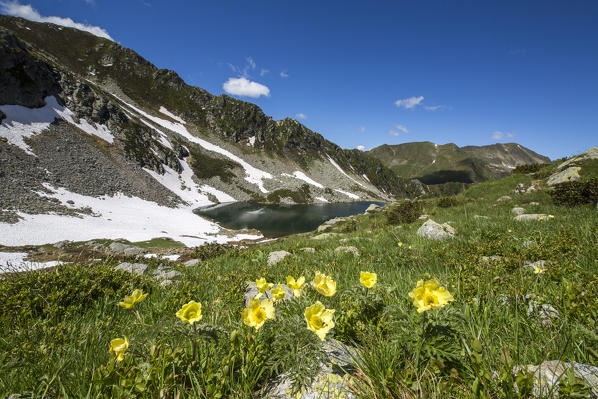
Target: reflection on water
{"type": "Point", "coordinates": [279, 220]}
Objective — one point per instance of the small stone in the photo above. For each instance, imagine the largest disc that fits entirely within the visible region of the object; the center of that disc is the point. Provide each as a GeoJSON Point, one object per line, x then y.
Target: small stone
{"type": "Point", "coordinates": [480, 217]}
{"type": "Point", "coordinates": [528, 244]}
{"type": "Point", "coordinates": [423, 217]}
{"type": "Point", "coordinates": [192, 262]}
{"type": "Point", "coordinates": [135, 268]}
{"type": "Point", "coordinates": [345, 250]}
{"type": "Point", "coordinates": [308, 249]}
{"type": "Point", "coordinates": [530, 216]}
{"type": "Point", "coordinates": [504, 198]}
{"type": "Point", "coordinates": [165, 283]}
{"type": "Point", "coordinates": [276, 256]}
{"type": "Point", "coordinates": [491, 258]}
{"type": "Point", "coordinates": [435, 231]}
{"type": "Point", "coordinates": [544, 313]}
{"type": "Point", "coordinates": [548, 376]}
{"type": "Point", "coordinates": [517, 211]}
{"type": "Point", "coordinates": [534, 203]}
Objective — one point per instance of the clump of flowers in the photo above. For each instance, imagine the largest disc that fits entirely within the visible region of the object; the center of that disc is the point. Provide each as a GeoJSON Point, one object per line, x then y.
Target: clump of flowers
{"type": "Point", "coordinates": [319, 319]}
{"type": "Point", "coordinates": [118, 347]}
{"type": "Point", "coordinates": [368, 279]}
{"type": "Point", "coordinates": [256, 314]}
{"type": "Point", "coordinates": [324, 284]}
{"type": "Point", "coordinates": [130, 300]}
{"type": "Point", "coordinates": [539, 270]}
{"type": "Point", "coordinates": [429, 295]}
{"type": "Point", "coordinates": [278, 293]}
{"type": "Point", "coordinates": [262, 286]}
{"type": "Point", "coordinates": [399, 244]}
{"type": "Point", "coordinates": [190, 312]}
{"type": "Point", "coordinates": [296, 285]}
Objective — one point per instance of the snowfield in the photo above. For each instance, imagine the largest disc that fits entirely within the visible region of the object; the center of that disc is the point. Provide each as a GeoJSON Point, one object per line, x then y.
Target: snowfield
{"type": "Point", "coordinates": [22, 122]}
{"type": "Point", "coordinates": [120, 216]}
{"type": "Point", "coordinates": [253, 174]}
{"type": "Point", "coordinates": [302, 176]}
{"type": "Point", "coordinates": [15, 262]}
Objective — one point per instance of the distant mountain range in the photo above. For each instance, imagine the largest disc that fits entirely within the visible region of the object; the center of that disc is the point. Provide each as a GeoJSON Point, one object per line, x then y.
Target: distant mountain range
{"type": "Point", "coordinates": [434, 164]}
{"type": "Point", "coordinates": [85, 115]}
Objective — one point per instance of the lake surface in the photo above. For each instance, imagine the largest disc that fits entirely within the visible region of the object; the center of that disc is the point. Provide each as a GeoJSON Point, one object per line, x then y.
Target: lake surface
{"type": "Point", "coordinates": [279, 220]}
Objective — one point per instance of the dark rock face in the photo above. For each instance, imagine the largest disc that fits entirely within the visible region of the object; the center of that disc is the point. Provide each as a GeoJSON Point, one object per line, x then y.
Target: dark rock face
{"type": "Point", "coordinates": [24, 79]}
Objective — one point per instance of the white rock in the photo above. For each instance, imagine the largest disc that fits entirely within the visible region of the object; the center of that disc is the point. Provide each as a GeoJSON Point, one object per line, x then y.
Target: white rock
{"type": "Point", "coordinates": [135, 268]}
{"type": "Point", "coordinates": [346, 250]}
{"type": "Point", "coordinates": [567, 175]}
{"type": "Point", "coordinates": [504, 198]}
{"type": "Point", "coordinates": [308, 249]}
{"type": "Point", "coordinates": [549, 375]}
{"type": "Point", "coordinates": [435, 231]}
{"type": "Point", "coordinates": [530, 216]}
{"type": "Point", "coordinates": [517, 211]}
{"type": "Point", "coordinates": [192, 262]}
{"type": "Point", "coordinates": [372, 208]}
{"type": "Point", "coordinates": [277, 256]}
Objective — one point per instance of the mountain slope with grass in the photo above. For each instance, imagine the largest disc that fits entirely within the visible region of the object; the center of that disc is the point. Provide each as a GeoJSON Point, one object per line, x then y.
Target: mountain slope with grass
{"type": "Point", "coordinates": [451, 166]}
{"type": "Point", "coordinates": [507, 307]}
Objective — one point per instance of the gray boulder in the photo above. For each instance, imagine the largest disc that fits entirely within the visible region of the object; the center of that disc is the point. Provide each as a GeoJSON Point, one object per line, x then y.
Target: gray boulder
{"type": "Point", "coordinates": [517, 211]}
{"type": "Point", "coordinates": [548, 376]}
{"type": "Point", "coordinates": [567, 175]}
{"type": "Point", "coordinates": [346, 250]}
{"type": "Point", "coordinates": [372, 208]}
{"type": "Point", "coordinates": [435, 231]}
{"type": "Point", "coordinates": [129, 251]}
{"type": "Point", "coordinates": [117, 247]}
{"type": "Point", "coordinates": [325, 236]}
{"type": "Point", "coordinates": [276, 256]}
{"type": "Point", "coordinates": [331, 380]}
{"type": "Point", "coordinates": [327, 225]}
{"type": "Point", "coordinates": [544, 313]}
{"type": "Point", "coordinates": [135, 268]}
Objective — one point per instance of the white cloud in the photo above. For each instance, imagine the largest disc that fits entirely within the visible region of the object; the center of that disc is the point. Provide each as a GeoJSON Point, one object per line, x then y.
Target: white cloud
{"type": "Point", "coordinates": [16, 9]}
{"type": "Point", "coordinates": [360, 147]}
{"type": "Point", "coordinates": [301, 115]}
{"type": "Point", "coordinates": [409, 103]}
{"type": "Point", "coordinates": [243, 87]}
{"type": "Point", "coordinates": [263, 72]}
{"type": "Point", "coordinates": [497, 135]}
{"type": "Point", "coordinates": [393, 133]}
{"type": "Point", "coordinates": [402, 128]}
{"type": "Point", "coordinates": [362, 129]}
{"type": "Point", "coordinates": [435, 107]}
{"type": "Point", "coordinates": [250, 62]}
{"type": "Point", "coordinates": [283, 74]}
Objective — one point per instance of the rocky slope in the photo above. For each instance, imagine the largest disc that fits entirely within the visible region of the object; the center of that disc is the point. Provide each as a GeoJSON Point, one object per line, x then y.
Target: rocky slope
{"type": "Point", "coordinates": [89, 117]}
{"type": "Point", "coordinates": [434, 164]}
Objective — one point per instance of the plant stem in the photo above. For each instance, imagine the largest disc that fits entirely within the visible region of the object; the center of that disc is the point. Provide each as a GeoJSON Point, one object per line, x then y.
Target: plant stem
{"type": "Point", "coordinates": [193, 341]}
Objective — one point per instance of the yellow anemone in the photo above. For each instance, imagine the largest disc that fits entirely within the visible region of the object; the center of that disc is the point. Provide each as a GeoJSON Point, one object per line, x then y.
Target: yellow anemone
{"type": "Point", "coordinates": [118, 347]}
{"type": "Point", "coordinates": [539, 270]}
{"type": "Point", "coordinates": [324, 284]}
{"type": "Point", "coordinates": [190, 312]}
{"type": "Point", "coordinates": [400, 244]}
{"type": "Point", "coordinates": [368, 279]}
{"type": "Point", "coordinates": [130, 300]}
{"type": "Point", "coordinates": [296, 285]}
{"type": "Point", "coordinates": [278, 293]}
{"type": "Point", "coordinates": [256, 314]}
{"type": "Point", "coordinates": [262, 286]}
{"type": "Point", "coordinates": [429, 295]}
{"type": "Point", "coordinates": [319, 319]}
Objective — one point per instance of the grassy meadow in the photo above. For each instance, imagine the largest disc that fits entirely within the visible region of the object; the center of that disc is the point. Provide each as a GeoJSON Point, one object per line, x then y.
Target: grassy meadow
{"type": "Point", "coordinates": [56, 326]}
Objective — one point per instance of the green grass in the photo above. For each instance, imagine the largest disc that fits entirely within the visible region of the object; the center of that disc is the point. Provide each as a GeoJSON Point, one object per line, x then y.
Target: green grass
{"type": "Point", "coordinates": [56, 327]}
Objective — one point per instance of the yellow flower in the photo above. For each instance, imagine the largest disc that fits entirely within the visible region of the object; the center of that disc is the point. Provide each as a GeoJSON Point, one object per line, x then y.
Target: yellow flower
{"type": "Point", "coordinates": [410, 246]}
{"type": "Point", "coordinates": [257, 313]}
{"type": "Point", "coordinates": [319, 319]}
{"type": "Point", "coordinates": [118, 347]}
{"type": "Point", "coordinates": [324, 284]}
{"type": "Point", "coordinates": [296, 285]}
{"type": "Point", "coordinates": [400, 244]}
{"type": "Point", "coordinates": [368, 279]}
{"type": "Point", "coordinates": [510, 231]}
{"type": "Point", "coordinates": [262, 286]}
{"type": "Point", "coordinates": [129, 301]}
{"type": "Point", "coordinates": [190, 312]}
{"type": "Point", "coordinates": [429, 295]}
{"type": "Point", "coordinates": [539, 270]}
{"type": "Point", "coordinates": [550, 216]}
{"type": "Point", "coordinates": [278, 293]}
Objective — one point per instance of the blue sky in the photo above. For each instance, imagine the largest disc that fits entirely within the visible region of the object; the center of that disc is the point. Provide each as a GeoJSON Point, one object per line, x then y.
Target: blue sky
{"type": "Point", "coordinates": [373, 72]}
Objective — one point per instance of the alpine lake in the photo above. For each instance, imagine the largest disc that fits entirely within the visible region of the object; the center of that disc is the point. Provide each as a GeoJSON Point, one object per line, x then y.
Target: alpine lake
{"type": "Point", "coordinates": [277, 220]}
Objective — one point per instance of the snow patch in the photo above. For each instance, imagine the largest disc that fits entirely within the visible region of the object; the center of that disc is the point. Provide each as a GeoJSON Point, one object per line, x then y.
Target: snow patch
{"type": "Point", "coordinates": [114, 217]}
{"type": "Point", "coordinates": [253, 175]}
{"type": "Point", "coordinates": [251, 141]}
{"type": "Point", "coordinates": [343, 172]}
{"type": "Point", "coordinates": [302, 176]}
{"type": "Point", "coordinates": [22, 122]}
{"type": "Point", "coordinates": [322, 199]}
{"type": "Point", "coordinates": [15, 262]}
{"type": "Point", "coordinates": [365, 177]}
{"type": "Point", "coordinates": [171, 115]}
{"type": "Point", "coordinates": [348, 194]}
